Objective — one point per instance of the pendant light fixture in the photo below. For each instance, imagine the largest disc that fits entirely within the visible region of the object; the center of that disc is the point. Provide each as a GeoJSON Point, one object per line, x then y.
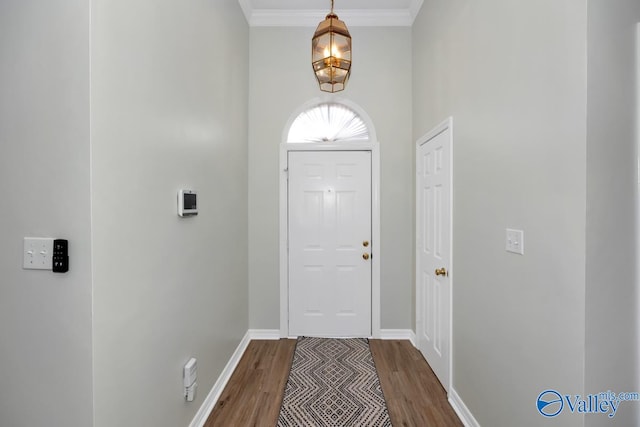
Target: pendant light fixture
{"type": "Point", "coordinates": [331, 53]}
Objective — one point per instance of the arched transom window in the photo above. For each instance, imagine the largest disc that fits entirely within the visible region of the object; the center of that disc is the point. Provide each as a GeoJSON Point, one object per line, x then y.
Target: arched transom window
{"type": "Point", "coordinates": [328, 122]}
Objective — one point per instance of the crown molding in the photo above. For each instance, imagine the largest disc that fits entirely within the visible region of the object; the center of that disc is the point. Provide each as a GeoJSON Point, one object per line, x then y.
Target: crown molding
{"type": "Point", "coordinates": [311, 17]}
{"type": "Point", "coordinates": [414, 9]}
{"type": "Point", "coordinates": [247, 9]}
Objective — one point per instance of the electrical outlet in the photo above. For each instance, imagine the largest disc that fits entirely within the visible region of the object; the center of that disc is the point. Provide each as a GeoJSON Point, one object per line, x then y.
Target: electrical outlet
{"type": "Point", "coordinates": [515, 241]}
{"type": "Point", "coordinates": [189, 377]}
{"type": "Point", "coordinates": [37, 253]}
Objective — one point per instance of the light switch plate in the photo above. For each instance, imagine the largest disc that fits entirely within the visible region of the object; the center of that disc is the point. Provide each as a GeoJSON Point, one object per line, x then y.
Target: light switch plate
{"type": "Point", "coordinates": [38, 253]}
{"type": "Point", "coordinates": [515, 241]}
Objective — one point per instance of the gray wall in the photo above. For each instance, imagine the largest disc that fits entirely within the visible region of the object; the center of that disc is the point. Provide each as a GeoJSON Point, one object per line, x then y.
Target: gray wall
{"type": "Point", "coordinates": [383, 89]}
{"type": "Point", "coordinates": [612, 185]}
{"type": "Point", "coordinates": [168, 111]}
{"type": "Point", "coordinates": [45, 318]}
{"type": "Point", "coordinates": [513, 76]}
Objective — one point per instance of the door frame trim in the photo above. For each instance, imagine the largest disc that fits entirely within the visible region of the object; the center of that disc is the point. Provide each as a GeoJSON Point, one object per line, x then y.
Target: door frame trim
{"type": "Point", "coordinates": [447, 124]}
{"type": "Point", "coordinates": [374, 149]}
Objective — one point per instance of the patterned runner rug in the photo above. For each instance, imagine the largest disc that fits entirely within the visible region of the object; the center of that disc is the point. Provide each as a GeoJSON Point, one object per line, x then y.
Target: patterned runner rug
{"type": "Point", "coordinates": [333, 382]}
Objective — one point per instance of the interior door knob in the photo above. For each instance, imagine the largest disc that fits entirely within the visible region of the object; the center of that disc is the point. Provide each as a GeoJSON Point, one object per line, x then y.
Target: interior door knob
{"type": "Point", "coordinates": [441, 271]}
{"type": "Point", "coordinates": [365, 256]}
{"type": "Point", "coordinates": [365, 243]}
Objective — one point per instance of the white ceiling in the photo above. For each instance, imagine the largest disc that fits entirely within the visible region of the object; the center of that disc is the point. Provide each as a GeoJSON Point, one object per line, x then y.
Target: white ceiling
{"type": "Point", "coordinates": [308, 13]}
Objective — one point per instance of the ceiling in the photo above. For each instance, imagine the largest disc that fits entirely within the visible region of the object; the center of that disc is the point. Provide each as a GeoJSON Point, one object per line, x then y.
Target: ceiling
{"type": "Point", "coordinates": [308, 13]}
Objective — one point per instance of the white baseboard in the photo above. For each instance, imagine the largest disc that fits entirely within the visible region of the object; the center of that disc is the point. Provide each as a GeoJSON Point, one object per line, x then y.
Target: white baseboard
{"type": "Point", "coordinates": [385, 334]}
{"type": "Point", "coordinates": [461, 409]}
{"type": "Point", "coordinates": [398, 334]}
{"type": "Point", "coordinates": [264, 334]}
{"type": "Point", "coordinates": [223, 379]}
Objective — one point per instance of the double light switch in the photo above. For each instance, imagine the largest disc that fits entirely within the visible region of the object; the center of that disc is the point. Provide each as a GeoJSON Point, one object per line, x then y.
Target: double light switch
{"type": "Point", "coordinates": [45, 253]}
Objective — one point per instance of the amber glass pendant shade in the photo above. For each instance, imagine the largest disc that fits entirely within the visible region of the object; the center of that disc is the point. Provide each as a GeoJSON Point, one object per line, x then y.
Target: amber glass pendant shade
{"type": "Point", "coordinates": [331, 53]}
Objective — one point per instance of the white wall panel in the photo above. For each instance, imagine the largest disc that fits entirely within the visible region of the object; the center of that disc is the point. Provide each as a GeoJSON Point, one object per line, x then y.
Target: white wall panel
{"type": "Point", "coordinates": [168, 111]}
{"type": "Point", "coordinates": [45, 318]}
{"type": "Point", "coordinates": [513, 76]}
{"type": "Point", "coordinates": [611, 358]}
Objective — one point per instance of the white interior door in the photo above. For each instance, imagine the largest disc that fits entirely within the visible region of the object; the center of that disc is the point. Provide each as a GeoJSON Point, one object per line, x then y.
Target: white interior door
{"type": "Point", "coordinates": [433, 251]}
{"type": "Point", "coordinates": [329, 220]}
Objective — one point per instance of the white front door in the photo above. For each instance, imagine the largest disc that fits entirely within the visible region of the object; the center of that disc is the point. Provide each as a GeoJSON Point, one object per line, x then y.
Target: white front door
{"type": "Point", "coordinates": [329, 220]}
{"type": "Point", "coordinates": [433, 250]}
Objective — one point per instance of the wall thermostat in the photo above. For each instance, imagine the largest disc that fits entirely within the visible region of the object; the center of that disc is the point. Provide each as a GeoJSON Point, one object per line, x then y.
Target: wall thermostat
{"type": "Point", "coordinates": [187, 203]}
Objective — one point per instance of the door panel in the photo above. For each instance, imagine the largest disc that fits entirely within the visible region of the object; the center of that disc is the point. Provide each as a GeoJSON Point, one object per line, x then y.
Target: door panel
{"type": "Point", "coordinates": [433, 222]}
{"type": "Point", "coordinates": [329, 218]}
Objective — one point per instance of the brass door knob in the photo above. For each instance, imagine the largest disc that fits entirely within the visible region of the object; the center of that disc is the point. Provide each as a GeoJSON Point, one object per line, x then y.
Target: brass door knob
{"type": "Point", "coordinates": [365, 243]}
{"type": "Point", "coordinates": [441, 271]}
{"type": "Point", "coordinates": [365, 256]}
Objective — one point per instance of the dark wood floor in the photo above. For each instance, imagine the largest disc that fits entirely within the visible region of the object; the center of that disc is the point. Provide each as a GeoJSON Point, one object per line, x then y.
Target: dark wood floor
{"type": "Point", "coordinates": [254, 393]}
{"type": "Point", "coordinates": [413, 393]}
